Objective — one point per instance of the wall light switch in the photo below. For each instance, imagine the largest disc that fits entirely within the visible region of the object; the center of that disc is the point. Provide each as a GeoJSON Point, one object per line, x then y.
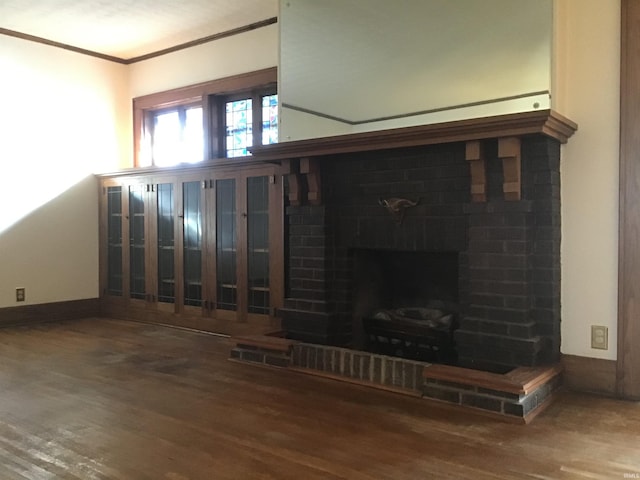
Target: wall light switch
{"type": "Point", "coordinates": [599, 337]}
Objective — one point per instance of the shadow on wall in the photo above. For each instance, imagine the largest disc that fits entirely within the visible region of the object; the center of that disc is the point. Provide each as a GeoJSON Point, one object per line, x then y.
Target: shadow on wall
{"type": "Point", "coordinates": [52, 251]}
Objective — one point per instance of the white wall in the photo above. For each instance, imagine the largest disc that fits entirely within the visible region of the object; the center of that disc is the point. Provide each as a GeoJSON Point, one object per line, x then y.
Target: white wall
{"type": "Point", "coordinates": [246, 52]}
{"type": "Point", "coordinates": [296, 125]}
{"type": "Point", "coordinates": [66, 116]}
{"type": "Point", "coordinates": [61, 120]}
{"type": "Point", "coordinates": [586, 87]}
{"type": "Point", "coordinates": [360, 61]}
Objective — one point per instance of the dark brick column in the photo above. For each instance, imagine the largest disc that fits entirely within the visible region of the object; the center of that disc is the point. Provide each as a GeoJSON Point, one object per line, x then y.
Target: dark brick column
{"type": "Point", "coordinates": [498, 330]}
{"type": "Point", "coordinates": [543, 161]}
{"type": "Point", "coordinates": [309, 311]}
{"type": "Point", "coordinates": [513, 316]}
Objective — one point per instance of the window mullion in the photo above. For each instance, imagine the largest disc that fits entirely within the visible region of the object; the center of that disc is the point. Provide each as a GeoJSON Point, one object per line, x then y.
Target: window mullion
{"type": "Point", "coordinates": [257, 118]}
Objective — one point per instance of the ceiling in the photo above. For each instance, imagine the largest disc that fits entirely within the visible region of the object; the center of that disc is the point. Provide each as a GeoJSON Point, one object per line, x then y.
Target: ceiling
{"type": "Point", "coordinates": [127, 29]}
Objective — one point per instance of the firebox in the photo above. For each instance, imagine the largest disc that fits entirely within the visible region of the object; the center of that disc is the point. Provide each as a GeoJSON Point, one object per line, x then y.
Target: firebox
{"type": "Point", "coordinates": [405, 303]}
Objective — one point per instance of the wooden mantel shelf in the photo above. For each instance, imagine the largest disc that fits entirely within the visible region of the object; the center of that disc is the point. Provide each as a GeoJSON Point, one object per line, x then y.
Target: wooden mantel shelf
{"type": "Point", "coordinates": [545, 122]}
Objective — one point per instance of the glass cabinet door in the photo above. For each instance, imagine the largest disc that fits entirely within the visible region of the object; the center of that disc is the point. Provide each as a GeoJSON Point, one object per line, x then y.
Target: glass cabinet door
{"type": "Point", "coordinates": [258, 244]}
{"type": "Point", "coordinates": [137, 241]}
{"type": "Point", "coordinates": [165, 216]}
{"type": "Point", "coordinates": [114, 240]}
{"type": "Point", "coordinates": [199, 249]}
{"type": "Point", "coordinates": [192, 243]}
{"type": "Point", "coordinates": [226, 245]}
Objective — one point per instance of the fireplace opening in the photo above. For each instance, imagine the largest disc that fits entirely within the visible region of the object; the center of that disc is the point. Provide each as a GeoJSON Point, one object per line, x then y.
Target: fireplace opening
{"type": "Point", "coordinates": [406, 304]}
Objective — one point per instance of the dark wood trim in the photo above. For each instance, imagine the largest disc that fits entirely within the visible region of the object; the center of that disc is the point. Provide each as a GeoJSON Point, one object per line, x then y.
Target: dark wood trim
{"type": "Point", "coordinates": [224, 85]}
{"type": "Point", "coordinates": [587, 374]}
{"type": "Point", "coordinates": [203, 40]}
{"type": "Point", "coordinates": [50, 312]}
{"type": "Point", "coordinates": [64, 46]}
{"type": "Point", "coordinates": [411, 114]}
{"type": "Point", "coordinates": [628, 365]}
{"type": "Point", "coordinates": [214, 164]}
{"type": "Point", "coordinates": [158, 53]}
{"type": "Point", "coordinates": [546, 122]}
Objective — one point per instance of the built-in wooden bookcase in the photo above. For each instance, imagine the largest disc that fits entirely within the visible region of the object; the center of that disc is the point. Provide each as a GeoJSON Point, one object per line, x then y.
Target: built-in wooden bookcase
{"type": "Point", "coordinates": [198, 247]}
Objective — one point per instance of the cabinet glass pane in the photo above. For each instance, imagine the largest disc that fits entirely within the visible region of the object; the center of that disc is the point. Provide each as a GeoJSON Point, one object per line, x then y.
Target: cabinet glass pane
{"type": "Point", "coordinates": [258, 243]}
{"type": "Point", "coordinates": [192, 241]}
{"type": "Point", "coordinates": [226, 244]}
{"type": "Point", "coordinates": [114, 240]}
{"type": "Point", "coordinates": [166, 242]}
{"type": "Point", "coordinates": [136, 241]}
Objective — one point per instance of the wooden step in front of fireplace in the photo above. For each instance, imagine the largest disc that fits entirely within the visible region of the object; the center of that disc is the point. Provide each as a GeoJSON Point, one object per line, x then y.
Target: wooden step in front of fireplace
{"type": "Point", "coordinates": [518, 395]}
{"type": "Point", "coordinates": [523, 392]}
{"type": "Point", "coordinates": [270, 350]}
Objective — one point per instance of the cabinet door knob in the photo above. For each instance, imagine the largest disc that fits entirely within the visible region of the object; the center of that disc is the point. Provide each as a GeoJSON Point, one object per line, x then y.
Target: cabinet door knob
{"type": "Point", "coordinates": [244, 215]}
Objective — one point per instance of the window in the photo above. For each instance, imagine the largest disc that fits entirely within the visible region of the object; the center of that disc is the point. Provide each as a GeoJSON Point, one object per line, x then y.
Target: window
{"type": "Point", "coordinates": [218, 119]}
{"type": "Point", "coordinates": [239, 127]}
{"type": "Point", "coordinates": [177, 136]}
{"type": "Point", "coordinates": [250, 120]}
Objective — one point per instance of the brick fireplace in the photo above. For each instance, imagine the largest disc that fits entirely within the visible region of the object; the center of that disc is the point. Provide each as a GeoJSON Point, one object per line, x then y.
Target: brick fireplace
{"type": "Point", "coordinates": [484, 233]}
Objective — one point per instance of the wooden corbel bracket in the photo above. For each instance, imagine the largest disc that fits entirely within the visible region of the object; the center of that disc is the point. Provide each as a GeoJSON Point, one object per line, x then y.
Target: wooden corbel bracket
{"type": "Point", "coordinates": [509, 153]}
{"type": "Point", "coordinates": [474, 155]}
{"type": "Point", "coordinates": [292, 170]}
{"type": "Point", "coordinates": [311, 168]}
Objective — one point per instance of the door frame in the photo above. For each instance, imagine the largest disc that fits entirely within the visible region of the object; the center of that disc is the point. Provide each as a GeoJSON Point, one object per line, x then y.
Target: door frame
{"type": "Point", "coordinates": [628, 363]}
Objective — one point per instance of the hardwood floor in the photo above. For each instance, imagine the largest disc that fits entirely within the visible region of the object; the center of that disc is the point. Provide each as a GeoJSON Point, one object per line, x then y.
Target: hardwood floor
{"type": "Point", "coordinates": [106, 399]}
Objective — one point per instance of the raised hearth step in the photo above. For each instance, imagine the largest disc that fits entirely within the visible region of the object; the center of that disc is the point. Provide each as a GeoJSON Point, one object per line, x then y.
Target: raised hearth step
{"type": "Point", "coordinates": [518, 395]}
{"type": "Point", "coordinates": [522, 393]}
{"type": "Point", "coordinates": [519, 381]}
{"type": "Point", "coordinates": [265, 342]}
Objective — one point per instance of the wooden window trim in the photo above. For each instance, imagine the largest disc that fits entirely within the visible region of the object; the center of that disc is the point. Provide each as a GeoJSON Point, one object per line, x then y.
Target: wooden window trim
{"type": "Point", "coordinates": [198, 93]}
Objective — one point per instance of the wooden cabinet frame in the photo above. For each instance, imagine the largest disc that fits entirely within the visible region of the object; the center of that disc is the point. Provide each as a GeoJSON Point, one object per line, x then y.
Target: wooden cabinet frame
{"type": "Point", "coordinates": [206, 317]}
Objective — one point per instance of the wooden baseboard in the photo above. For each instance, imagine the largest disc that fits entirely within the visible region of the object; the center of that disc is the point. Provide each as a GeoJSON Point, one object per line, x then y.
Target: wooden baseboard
{"type": "Point", "coordinates": [49, 312]}
{"type": "Point", "coordinates": [590, 374]}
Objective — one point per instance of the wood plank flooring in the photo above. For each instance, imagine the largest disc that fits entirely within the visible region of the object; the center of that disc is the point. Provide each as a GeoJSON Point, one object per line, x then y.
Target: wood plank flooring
{"type": "Point", "coordinates": [106, 399]}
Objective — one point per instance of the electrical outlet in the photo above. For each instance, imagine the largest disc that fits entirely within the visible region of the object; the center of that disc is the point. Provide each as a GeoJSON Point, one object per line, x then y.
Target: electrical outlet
{"type": "Point", "coordinates": [20, 294]}
{"type": "Point", "coordinates": [599, 337]}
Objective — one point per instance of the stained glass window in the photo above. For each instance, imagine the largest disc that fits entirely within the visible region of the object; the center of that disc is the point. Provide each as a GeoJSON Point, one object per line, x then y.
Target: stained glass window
{"type": "Point", "coordinates": [241, 115]}
{"type": "Point", "coordinates": [239, 123]}
{"type": "Point", "coordinates": [240, 120]}
{"type": "Point", "coordinates": [269, 119]}
{"type": "Point", "coordinates": [218, 119]}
